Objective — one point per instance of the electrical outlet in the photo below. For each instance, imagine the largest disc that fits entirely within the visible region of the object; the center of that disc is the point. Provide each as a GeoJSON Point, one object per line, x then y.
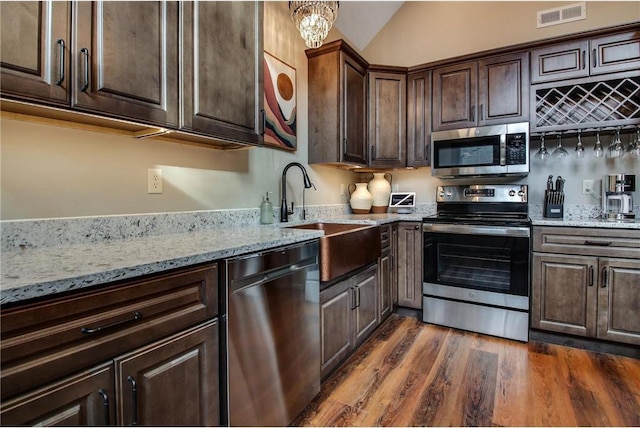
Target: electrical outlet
{"type": "Point", "coordinates": [154, 180]}
{"type": "Point", "coordinates": [587, 187]}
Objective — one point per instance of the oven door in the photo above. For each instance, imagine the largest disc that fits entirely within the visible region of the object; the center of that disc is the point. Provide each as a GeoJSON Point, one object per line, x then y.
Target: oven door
{"type": "Point", "coordinates": [480, 264]}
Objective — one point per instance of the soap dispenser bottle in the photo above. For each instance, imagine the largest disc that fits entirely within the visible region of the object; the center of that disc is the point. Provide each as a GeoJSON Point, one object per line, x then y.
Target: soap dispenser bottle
{"type": "Point", "coordinates": [266, 210]}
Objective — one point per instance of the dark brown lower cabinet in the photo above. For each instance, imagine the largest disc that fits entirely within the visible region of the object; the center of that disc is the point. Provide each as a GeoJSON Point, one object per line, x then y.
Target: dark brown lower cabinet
{"type": "Point", "coordinates": [409, 264]}
{"type": "Point", "coordinates": [83, 399]}
{"type": "Point", "coordinates": [173, 382]}
{"type": "Point", "coordinates": [348, 315]}
{"type": "Point", "coordinates": [594, 292]}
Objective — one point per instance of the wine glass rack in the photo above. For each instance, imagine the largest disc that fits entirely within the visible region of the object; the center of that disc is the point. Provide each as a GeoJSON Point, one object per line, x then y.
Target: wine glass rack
{"type": "Point", "coordinates": [586, 103]}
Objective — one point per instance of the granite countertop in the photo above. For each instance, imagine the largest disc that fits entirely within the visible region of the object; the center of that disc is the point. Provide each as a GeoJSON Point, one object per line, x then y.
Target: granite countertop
{"type": "Point", "coordinates": [585, 222]}
{"type": "Point", "coordinates": [37, 272]}
{"type": "Point", "coordinates": [29, 273]}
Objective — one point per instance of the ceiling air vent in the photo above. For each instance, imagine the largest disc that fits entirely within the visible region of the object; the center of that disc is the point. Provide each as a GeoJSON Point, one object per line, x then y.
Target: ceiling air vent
{"type": "Point", "coordinates": [560, 15]}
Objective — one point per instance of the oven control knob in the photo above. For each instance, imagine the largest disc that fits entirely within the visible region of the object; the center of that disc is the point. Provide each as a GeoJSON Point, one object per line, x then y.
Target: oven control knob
{"type": "Point", "coordinates": [441, 194]}
{"type": "Point", "coordinates": [449, 193]}
{"type": "Point", "coordinates": [512, 193]}
{"type": "Point", "coordinates": [521, 193]}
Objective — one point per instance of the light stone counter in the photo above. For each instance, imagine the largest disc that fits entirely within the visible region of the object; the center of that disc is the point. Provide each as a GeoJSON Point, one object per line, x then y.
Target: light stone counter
{"type": "Point", "coordinates": [36, 272]}
{"type": "Point", "coordinates": [585, 222]}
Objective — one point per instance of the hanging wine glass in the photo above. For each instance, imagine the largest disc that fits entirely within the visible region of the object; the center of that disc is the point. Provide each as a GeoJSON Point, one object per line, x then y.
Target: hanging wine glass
{"type": "Point", "coordinates": [579, 146]}
{"type": "Point", "coordinates": [560, 152]}
{"type": "Point", "coordinates": [634, 147]}
{"type": "Point", "coordinates": [598, 147]}
{"type": "Point", "coordinates": [616, 149]}
{"type": "Point", "coordinates": [542, 153]}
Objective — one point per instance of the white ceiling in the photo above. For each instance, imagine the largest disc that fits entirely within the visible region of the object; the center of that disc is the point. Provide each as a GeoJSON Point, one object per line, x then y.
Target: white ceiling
{"type": "Point", "coordinates": [360, 21]}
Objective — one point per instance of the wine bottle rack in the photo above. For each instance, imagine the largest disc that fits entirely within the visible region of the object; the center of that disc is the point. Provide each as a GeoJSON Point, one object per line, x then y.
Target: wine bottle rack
{"type": "Point", "coordinates": [586, 104]}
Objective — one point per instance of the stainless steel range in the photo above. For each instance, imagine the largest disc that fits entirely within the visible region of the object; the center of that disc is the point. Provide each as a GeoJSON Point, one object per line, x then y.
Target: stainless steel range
{"type": "Point", "coordinates": [476, 260]}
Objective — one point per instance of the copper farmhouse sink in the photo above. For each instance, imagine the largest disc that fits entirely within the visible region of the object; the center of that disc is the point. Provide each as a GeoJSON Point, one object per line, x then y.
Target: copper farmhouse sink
{"type": "Point", "coordinates": [345, 247]}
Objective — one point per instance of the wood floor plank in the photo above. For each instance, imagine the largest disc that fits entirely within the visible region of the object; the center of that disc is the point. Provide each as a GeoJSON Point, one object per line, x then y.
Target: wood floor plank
{"type": "Point", "coordinates": [410, 373]}
{"type": "Point", "coordinates": [477, 391]}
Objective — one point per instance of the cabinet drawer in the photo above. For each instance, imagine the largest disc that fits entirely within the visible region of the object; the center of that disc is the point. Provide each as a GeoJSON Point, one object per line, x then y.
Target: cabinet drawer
{"type": "Point", "coordinates": [46, 340]}
{"type": "Point", "coordinates": [385, 236]}
{"type": "Point", "coordinates": [587, 241]}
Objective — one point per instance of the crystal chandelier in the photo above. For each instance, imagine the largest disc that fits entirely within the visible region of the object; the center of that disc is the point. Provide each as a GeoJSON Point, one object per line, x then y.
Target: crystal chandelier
{"type": "Point", "coordinates": [313, 19]}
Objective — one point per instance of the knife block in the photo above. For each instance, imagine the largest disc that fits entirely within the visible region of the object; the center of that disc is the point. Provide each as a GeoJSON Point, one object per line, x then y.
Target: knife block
{"type": "Point", "coordinates": [553, 204]}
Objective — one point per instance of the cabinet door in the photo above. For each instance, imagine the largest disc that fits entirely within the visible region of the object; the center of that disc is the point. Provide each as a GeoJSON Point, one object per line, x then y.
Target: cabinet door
{"type": "Point", "coordinates": [366, 308]}
{"type": "Point", "coordinates": [619, 300]}
{"type": "Point", "coordinates": [172, 382]}
{"type": "Point", "coordinates": [504, 89]}
{"type": "Point", "coordinates": [125, 60]}
{"type": "Point", "coordinates": [85, 399]}
{"type": "Point", "coordinates": [419, 119]}
{"type": "Point", "coordinates": [409, 264]}
{"type": "Point", "coordinates": [222, 65]}
{"type": "Point", "coordinates": [354, 121]}
{"type": "Point", "coordinates": [387, 119]}
{"type": "Point", "coordinates": [384, 277]}
{"type": "Point", "coordinates": [558, 62]}
{"type": "Point", "coordinates": [455, 93]}
{"type": "Point", "coordinates": [564, 294]}
{"type": "Point", "coordinates": [34, 50]}
{"type": "Point", "coordinates": [336, 330]}
{"type": "Point", "coordinates": [612, 54]}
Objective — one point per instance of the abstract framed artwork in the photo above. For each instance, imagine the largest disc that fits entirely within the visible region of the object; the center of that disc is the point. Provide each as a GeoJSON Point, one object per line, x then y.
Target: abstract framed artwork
{"type": "Point", "coordinates": [280, 93]}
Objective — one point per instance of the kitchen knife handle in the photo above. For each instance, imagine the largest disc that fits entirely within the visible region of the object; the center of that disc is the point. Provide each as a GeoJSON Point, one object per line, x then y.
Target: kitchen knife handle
{"type": "Point", "coordinates": [62, 49]}
{"type": "Point", "coordinates": [105, 403]}
{"type": "Point", "coordinates": [134, 400]}
{"type": "Point", "coordinates": [85, 54]}
{"type": "Point", "coordinates": [591, 276]}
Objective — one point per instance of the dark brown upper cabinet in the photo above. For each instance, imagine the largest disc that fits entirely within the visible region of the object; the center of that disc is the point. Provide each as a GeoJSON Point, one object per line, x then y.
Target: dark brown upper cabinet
{"type": "Point", "coordinates": [35, 41]}
{"type": "Point", "coordinates": [337, 105]}
{"type": "Point", "coordinates": [222, 64]}
{"type": "Point", "coordinates": [125, 60]}
{"type": "Point", "coordinates": [418, 119]}
{"type": "Point", "coordinates": [585, 57]}
{"type": "Point", "coordinates": [484, 92]}
{"type": "Point", "coordinates": [387, 118]}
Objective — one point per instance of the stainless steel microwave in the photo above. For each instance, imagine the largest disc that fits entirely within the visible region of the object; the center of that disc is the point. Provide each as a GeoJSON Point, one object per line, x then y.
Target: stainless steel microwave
{"type": "Point", "coordinates": [499, 150]}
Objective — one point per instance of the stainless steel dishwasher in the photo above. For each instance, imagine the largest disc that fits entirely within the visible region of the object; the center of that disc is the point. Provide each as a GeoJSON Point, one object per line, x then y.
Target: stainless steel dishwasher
{"type": "Point", "coordinates": [273, 335]}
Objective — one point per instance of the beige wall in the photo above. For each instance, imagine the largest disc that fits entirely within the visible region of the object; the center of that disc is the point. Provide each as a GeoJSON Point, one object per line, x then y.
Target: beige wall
{"type": "Point", "coordinates": [49, 171]}
{"type": "Point", "coordinates": [421, 32]}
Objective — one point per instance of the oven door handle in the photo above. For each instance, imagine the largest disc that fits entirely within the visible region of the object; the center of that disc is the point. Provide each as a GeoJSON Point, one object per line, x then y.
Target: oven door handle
{"type": "Point", "coordinates": [465, 229]}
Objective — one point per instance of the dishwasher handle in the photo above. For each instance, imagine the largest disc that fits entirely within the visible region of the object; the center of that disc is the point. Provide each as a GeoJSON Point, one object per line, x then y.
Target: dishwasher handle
{"type": "Point", "coordinates": [271, 275]}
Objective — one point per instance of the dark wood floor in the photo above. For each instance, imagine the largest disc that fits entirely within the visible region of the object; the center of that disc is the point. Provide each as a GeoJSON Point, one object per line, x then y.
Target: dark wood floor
{"type": "Point", "coordinates": [410, 373]}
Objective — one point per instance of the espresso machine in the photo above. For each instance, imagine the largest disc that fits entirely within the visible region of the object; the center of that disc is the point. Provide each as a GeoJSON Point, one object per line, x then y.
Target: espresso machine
{"type": "Point", "coordinates": [617, 201]}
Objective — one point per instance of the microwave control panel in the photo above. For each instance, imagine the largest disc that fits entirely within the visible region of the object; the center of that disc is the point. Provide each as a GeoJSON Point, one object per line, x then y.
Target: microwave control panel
{"type": "Point", "coordinates": [516, 153]}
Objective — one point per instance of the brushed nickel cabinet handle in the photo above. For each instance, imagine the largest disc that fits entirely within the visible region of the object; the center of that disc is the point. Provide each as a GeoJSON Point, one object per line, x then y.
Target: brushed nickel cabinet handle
{"type": "Point", "coordinates": [264, 122]}
{"type": "Point", "coordinates": [85, 54]}
{"type": "Point", "coordinates": [473, 113]}
{"type": "Point", "coordinates": [61, 62]}
{"type": "Point", "coordinates": [595, 58]}
{"type": "Point", "coordinates": [584, 59]}
{"type": "Point", "coordinates": [605, 277]}
{"type": "Point", "coordinates": [105, 402]}
{"type": "Point", "coordinates": [481, 111]}
{"type": "Point", "coordinates": [373, 152]}
{"type": "Point", "coordinates": [591, 276]}
{"type": "Point", "coordinates": [136, 316]}
{"type": "Point", "coordinates": [134, 400]}
{"type": "Point", "coordinates": [598, 243]}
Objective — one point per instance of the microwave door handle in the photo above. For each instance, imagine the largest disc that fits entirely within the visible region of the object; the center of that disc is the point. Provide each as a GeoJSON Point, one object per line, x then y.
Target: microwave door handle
{"type": "Point", "coordinates": [503, 150]}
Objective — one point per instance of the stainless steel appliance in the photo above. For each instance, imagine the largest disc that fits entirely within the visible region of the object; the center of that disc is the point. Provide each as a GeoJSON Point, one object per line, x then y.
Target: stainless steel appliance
{"type": "Point", "coordinates": [617, 200]}
{"type": "Point", "coordinates": [273, 335]}
{"type": "Point", "coordinates": [499, 150]}
{"type": "Point", "coordinates": [476, 260]}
